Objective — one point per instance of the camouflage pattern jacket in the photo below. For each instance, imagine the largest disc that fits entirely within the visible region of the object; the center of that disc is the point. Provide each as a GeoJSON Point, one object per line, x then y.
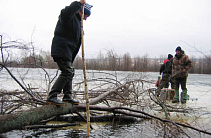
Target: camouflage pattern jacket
{"type": "Point", "coordinates": [179, 63]}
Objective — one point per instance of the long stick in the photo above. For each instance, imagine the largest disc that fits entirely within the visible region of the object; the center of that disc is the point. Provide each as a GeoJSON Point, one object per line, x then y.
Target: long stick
{"type": "Point", "coordinates": [2, 55]}
{"type": "Point", "coordinates": [85, 79]}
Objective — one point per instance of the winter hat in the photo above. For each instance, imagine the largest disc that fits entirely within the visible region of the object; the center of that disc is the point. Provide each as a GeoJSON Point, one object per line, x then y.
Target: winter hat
{"type": "Point", "coordinates": [179, 48]}
{"type": "Point", "coordinates": [170, 56]}
{"type": "Point", "coordinates": [87, 9]}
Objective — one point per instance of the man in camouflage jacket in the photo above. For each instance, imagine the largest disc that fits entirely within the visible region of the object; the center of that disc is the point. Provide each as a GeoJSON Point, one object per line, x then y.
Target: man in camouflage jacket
{"type": "Point", "coordinates": [180, 66]}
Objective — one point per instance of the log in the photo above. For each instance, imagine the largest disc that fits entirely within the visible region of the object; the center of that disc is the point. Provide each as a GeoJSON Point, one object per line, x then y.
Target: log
{"type": "Point", "coordinates": [10, 122]}
{"type": "Point", "coordinates": [34, 116]}
{"type": "Point", "coordinates": [51, 126]}
{"type": "Point", "coordinates": [31, 117]}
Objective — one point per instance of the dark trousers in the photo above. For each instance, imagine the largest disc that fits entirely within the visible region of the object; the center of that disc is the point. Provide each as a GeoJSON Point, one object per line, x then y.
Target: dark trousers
{"type": "Point", "coordinates": [64, 81]}
{"type": "Point", "coordinates": [182, 82]}
{"type": "Point", "coordinates": [164, 81]}
{"type": "Point", "coordinates": [172, 81]}
{"type": "Point", "coordinates": [166, 78]}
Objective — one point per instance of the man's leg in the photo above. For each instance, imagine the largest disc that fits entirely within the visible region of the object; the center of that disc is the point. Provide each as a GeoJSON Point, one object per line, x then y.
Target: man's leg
{"type": "Point", "coordinates": [176, 91]}
{"type": "Point", "coordinates": [60, 82]}
{"type": "Point", "coordinates": [184, 90]}
{"type": "Point", "coordinates": [57, 86]}
{"type": "Point", "coordinates": [67, 90]}
{"type": "Point", "coordinates": [167, 80]}
{"type": "Point", "coordinates": [172, 81]}
{"type": "Point", "coordinates": [164, 80]}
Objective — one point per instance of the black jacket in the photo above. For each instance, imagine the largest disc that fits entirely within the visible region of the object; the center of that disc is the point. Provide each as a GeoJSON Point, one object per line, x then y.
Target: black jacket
{"type": "Point", "coordinates": [166, 67]}
{"type": "Point", "coordinates": [67, 35]}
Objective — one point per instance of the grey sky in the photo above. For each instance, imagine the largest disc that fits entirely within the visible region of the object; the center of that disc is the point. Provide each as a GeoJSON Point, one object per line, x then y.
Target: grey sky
{"type": "Point", "coordinates": [137, 26]}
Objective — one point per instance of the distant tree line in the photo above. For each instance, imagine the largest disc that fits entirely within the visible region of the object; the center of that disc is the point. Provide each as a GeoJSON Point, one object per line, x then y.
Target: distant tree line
{"type": "Point", "coordinates": [112, 62]}
{"type": "Point", "coordinates": [139, 63]}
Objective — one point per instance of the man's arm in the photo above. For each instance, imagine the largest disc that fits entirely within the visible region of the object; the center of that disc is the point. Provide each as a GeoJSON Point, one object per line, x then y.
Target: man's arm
{"type": "Point", "coordinates": [68, 12]}
{"type": "Point", "coordinates": [187, 64]}
{"type": "Point", "coordinates": [162, 68]}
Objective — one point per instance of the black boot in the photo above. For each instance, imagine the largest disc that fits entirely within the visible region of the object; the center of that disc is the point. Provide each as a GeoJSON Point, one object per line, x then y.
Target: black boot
{"type": "Point", "coordinates": [52, 99]}
{"type": "Point", "coordinates": [68, 98]}
{"type": "Point", "coordinates": [55, 90]}
{"type": "Point", "coordinates": [68, 93]}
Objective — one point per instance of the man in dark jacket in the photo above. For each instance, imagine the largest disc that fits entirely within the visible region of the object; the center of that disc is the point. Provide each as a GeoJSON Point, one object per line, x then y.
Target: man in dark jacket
{"type": "Point", "coordinates": [180, 66]}
{"type": "Point", "coordinates": [65, 46]}
{"type": "Point", "coordinates": [170, 56]}
{"type": "Point", "coordinates": [166, 69]}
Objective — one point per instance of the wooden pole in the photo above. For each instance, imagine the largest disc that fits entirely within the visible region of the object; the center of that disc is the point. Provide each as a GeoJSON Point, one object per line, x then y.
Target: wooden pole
{"type": "Point", "coordinates": [85, 79]}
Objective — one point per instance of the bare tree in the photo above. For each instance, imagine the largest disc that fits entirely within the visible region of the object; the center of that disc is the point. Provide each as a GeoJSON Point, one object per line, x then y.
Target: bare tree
{"type": "Point", "coordinates": [205, 64]}
{"type": "Point", "coordinates": [127, 62]}
{"type": "Point", "coordinates": [29, 97]}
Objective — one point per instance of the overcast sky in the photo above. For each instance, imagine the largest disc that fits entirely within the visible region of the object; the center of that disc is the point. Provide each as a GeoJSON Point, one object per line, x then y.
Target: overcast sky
{"type": "Point", "coordinates": [153, 27]}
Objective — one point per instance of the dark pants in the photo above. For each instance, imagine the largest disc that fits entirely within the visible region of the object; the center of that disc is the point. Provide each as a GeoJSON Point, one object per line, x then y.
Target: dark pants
{"type": "Point", "coordinates": [172, 81]}
{"type": "Point", "coordinates": [182, 82]}
{"type": "Point", "coordinates": [64, 81]}
{"type": "Point", "coordinates": [165, 81]}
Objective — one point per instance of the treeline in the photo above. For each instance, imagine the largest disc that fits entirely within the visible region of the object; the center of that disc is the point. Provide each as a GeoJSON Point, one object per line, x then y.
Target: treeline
{"type": "Point", "coordinates": [139, 64]}
{"type": "Point", "coordinates": [112, 62]}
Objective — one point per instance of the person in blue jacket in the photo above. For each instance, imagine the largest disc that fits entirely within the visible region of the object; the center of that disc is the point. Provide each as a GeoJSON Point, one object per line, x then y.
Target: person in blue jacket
{"type": "Point", "coordinates": [65, 46]}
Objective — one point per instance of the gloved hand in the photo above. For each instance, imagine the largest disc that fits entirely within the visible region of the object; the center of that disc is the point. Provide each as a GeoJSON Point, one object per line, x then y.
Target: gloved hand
{"type": "Point", "coordinates": [82, 2]}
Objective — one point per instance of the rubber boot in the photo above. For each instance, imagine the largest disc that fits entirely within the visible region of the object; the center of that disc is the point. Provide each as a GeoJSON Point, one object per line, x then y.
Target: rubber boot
{"type": "Point", "coordinates": [184, 96]}
{"type": "Point", "coordinates": [176, 96]}
{"type": "Point", "coordinates": [68, 94]}
{"type": "Point", "coordinates": [52, 99]}
{"type": "Point", "coordinates": [55, 90]}
{"type": "Point", "coordinates": [68, 98]}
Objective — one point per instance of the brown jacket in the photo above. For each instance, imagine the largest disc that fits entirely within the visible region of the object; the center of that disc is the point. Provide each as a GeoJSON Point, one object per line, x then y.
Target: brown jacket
{"type": "Point", "coordinates": [179, 63]}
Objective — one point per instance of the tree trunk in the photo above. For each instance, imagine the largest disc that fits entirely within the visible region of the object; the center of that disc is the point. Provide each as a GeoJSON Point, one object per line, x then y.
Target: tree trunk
{"type": "Point", "coordinates": [34, 116]}
{"type": "Point", "coordinates": [19, 120]}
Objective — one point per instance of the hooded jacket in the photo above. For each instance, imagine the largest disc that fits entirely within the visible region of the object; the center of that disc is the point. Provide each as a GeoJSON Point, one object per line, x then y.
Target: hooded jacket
{"type": "Point", "coordinates": [166, 67]}
{"type": "Point", "coordinates": [67, 35]}
{"type": "Point", "coordinates": [179, 63]}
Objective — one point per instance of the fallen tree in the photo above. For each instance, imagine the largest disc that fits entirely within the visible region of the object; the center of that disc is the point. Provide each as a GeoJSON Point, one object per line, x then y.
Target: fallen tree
{"type": "Point", "coordinates": [34, 116]}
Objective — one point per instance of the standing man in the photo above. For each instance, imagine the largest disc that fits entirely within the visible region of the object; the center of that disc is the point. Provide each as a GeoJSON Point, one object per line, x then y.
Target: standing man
{"type": "Point", "coordinates": [65, 46]}
{"type": "Point", "coordinates": [166, 69]}
{"type": "Point", "coordinates": [181, 65]}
